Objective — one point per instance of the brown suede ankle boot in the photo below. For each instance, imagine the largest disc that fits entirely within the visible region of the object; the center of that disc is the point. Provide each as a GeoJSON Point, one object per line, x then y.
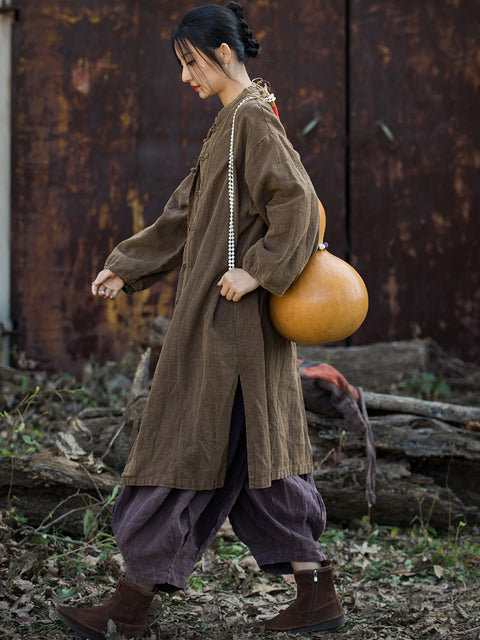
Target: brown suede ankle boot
{"type": "Point", "coordinates": [316, 608]}
{"type": "Point", "coordinates": [127, 607]}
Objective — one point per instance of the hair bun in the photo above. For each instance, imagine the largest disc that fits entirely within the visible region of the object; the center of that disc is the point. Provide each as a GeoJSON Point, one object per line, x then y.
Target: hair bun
{"type": "Point", "coordinates": [237, 9]}
{"type": "Point", "coordinates": [251, 45]}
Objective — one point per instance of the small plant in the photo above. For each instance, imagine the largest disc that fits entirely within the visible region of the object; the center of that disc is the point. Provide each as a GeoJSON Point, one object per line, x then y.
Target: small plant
{"type": "Point", "coordinates": [19, 434]}
{"type": "Point", "coordinates": [331, 537]}
{"type": "Point", "coordinates": [91, 518]}
{"type": "Point", "coordinates": [17, 517]}
{"type": "Point", "coordinates": [231, 550]}
{"type": "Point", "coordinates": [196, 583]}
{"type": "Point", "coordinates": [14, 441]}
{"type": "Point", "coordinates": [426, 386]}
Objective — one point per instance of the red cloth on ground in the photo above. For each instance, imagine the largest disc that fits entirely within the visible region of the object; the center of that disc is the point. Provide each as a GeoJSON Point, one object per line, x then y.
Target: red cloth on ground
{"type": "Point", "coordinates": [327, 392]}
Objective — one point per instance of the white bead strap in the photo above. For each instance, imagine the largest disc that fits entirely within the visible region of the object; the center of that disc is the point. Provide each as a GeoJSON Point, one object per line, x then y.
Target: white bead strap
{"type": "Point", "coordinates": [231, 192]}
{"type": "Point", "coordinates": [268, 97]}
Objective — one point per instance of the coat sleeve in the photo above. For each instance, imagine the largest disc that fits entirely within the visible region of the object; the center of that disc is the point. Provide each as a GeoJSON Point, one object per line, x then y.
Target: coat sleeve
{"type": "Point", "coordinates": [141, 260]}
{"type": "Point", "coordinates": [284, 196]}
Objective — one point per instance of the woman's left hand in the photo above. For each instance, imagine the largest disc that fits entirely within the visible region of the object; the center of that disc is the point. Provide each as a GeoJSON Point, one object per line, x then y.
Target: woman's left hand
{"type": "Point", "coordinates": [236, 283]}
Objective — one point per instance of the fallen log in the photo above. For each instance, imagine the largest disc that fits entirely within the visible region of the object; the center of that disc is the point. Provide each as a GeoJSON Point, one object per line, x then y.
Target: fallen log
{"type": "Point", "coordinates": [427, 471]}
{"type": "Point", "coordinates": [404, 498]}
{"type": "Point", "coordinates": [53, 491]}
{"type": "Point", "coordinates": [428, 468]}
{"type": "Point", "coordinates": [443, 411]}
{"type": "Point", "coordinates": [376, 366]}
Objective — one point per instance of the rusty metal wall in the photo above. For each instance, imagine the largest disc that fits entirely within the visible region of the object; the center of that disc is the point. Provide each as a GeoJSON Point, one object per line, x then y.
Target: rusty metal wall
{"type": "Point", "coordinates": [103, 130]}
{"type": "Point", "coordinates": [415, 159]}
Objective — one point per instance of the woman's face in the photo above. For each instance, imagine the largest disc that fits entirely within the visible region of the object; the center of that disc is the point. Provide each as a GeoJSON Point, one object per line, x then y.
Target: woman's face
{"type": "Point", "coordinates": [201, 73]}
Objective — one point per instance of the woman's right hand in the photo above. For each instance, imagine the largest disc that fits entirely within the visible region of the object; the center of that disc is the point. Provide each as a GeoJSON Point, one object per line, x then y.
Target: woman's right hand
{"type": "Point", "coordinates": [107, 284]}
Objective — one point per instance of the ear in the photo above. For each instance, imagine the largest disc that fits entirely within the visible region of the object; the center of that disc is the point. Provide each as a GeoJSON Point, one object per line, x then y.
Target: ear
{"type": "Point", "coordinates": [224, 53]}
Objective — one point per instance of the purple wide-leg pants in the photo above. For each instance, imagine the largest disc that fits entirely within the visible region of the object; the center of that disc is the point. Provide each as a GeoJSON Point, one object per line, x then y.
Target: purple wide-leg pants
{"type": "Point", "coordinates": [162, 532]}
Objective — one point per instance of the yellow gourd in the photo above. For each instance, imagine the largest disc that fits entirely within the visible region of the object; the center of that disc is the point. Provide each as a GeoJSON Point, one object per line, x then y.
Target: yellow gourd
{"type": "Point", "coordinates": [327, 302]}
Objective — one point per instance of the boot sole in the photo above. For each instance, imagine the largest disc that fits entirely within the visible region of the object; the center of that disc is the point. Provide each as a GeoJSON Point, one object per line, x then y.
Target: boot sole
{"type": "Point", "coordinates": [331, 625]}
{"type": "Point", "coordinates": [80, 633]}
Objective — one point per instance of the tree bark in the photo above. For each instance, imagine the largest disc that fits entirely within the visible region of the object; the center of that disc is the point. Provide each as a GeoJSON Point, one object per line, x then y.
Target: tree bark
{"type": "Point", "coordinates": [427, 471]}
{"type": "Point", "coordinates": [443, 411]}
{"type": "Point", "coordinates": [377, 366]}
{"type": "Point", "coordinates": [54, 491]}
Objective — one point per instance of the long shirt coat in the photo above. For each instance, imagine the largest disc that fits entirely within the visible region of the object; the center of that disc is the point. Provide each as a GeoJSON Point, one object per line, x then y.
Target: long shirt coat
{"type": "Point", "coordinates": [212, 343]}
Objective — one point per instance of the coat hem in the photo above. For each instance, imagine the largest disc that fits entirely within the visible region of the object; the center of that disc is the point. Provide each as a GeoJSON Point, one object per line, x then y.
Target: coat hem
{"type": "Point", "coordinates": [259, 482]}
{"type": "Point", "coordinates": [263, 482]}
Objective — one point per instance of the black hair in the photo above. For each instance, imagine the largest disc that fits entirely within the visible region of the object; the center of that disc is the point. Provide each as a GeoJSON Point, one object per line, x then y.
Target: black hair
{"type": "Point", "coordinates": [206, 28]}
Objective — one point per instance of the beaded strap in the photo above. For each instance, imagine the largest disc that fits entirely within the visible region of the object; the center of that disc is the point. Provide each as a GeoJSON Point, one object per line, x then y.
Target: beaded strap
{"type": "Point", "coordinates": [231, 184]}
{"type": "Point", "coordinates": [266, 97]}
{"type": "Point", "coordinates": [231, 192]}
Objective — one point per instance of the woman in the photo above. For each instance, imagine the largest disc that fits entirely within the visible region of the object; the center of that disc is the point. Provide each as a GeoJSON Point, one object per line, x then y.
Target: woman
{"type": "Point", "coordinates": [224, 432]}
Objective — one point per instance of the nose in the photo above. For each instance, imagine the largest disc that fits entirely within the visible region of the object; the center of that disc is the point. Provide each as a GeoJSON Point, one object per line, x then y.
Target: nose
{"type": "Point", "coordinates": [186, 75]}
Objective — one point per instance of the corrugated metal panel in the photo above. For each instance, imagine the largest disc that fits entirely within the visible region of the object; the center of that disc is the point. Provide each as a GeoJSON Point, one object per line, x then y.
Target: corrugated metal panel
{"type": "Point", "coordinates": [415, 77]}
{"type": "Point", "coordinates": [103, 131]}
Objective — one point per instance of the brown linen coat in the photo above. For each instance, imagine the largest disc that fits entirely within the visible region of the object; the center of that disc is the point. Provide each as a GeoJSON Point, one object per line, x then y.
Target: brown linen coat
{"type": "Point", "coordinates": [212, 343]}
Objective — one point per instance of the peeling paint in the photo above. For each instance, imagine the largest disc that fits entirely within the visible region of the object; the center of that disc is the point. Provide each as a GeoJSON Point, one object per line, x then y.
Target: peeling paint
{"type": "Point", "coordinates": [385, 54]}
{"type": "Point", "coordinates": [61, 11]}
{"type": "Point", "coordinates": [85, 72]}
{"type": "Point", "coordinates": [441, 223]}
{"type": "Point", "coordinates": [405, 237]}
{"type": "Point", "coordinates": [391, 288]}
{"type": "Point", "coordinates": [81, 76]}
{"type": "Point", "coordinates": [138, 221]}
{"type": "Point", "coordinates": [104, 219]}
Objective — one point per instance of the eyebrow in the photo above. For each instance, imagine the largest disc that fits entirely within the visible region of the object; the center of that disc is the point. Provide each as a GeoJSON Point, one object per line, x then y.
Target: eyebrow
{"type": "Point", "coordinates": [185, 59]}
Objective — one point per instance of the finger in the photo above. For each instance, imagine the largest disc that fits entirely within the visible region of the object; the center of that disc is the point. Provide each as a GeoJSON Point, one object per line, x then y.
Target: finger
{"type": "Point", "coordinates": [102, 276]}
{"type": "Point", "coordinates": [231, 294]}
{"type": "Point", "coordinates": [97, 284]}
{"type": "Point", "coordinates": [225, 290]}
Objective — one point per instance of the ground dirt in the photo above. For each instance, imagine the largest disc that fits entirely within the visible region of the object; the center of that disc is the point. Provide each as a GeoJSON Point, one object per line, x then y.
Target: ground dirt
{"type": "Point", "coordinates": [389, 582]}
{"type": "Point", "coordinates": [395, 584]}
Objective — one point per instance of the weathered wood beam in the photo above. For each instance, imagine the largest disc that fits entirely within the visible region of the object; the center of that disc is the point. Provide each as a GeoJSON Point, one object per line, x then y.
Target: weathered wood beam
{"type": "Point", "coordinates": [441, 410]}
